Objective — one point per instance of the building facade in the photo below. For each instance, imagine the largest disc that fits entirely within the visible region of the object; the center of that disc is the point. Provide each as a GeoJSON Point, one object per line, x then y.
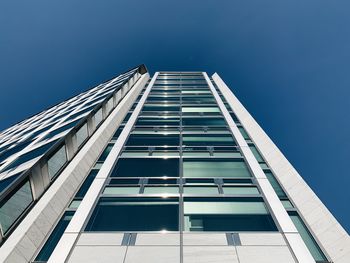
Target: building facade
{"type": "Point", "coordinates": [169, 168]}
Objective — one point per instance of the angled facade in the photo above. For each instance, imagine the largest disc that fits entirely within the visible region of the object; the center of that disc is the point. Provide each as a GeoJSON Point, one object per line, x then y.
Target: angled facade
{"type": "Point", "coordinates": [163, 168]}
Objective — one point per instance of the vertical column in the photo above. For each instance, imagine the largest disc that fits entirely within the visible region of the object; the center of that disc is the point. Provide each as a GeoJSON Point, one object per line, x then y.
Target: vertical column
{"type": "Point", "coordinates": [299, 248]}
{"type": "Point", "coordinates": [63, 248]}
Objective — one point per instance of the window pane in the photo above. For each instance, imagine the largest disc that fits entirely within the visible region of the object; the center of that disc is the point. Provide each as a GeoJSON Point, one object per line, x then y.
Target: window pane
{"type": "Point", "coordinates": [256, 153]}
{"type": "Point", "coordinates": [203, 122]}
{"type": "Point", "coordinates": [244, 133]}
{"type": "Point", "coordinates": [207, 140]}
{"type": "Point", "coordinates": [236, 214]}
{"type": "Point", "coordinates": [215, 168]}
{"type": "Point", "coordinates": [307, 237]}
{"type": "Point", "coordinates": [161, 190]}
{"type": "Point", "coordinates": [237, 190]}
{"type": "Point", "coordinates": [121, 190]}
{"type": "Point", "coordinates": [275, 185]}
{"type": "Point", "coordinates": [81, 134]}
{"type": "Point", "coordinates": [153, 140]}
{"type": "Point", "coordinates": [237, 207]}
{"type": "Point", "coordinates": [105, 153]}
{"type": "Point", "coordinates": [201, 190]}
{"type": "Point", "coordinates": [200, 109]}
{"type": "Point", "coordinates": [146, 167]}
{"type": "Point", "coordinates": [15, 206]}
{"type": "Point", "coordinates": [55, 237]}
{"type": "Point", "coordinates": [55, 163]}
{"type": "Point", "coordinates": [86, 185]}
{"type": "Point", "coordinates": [118, 214]}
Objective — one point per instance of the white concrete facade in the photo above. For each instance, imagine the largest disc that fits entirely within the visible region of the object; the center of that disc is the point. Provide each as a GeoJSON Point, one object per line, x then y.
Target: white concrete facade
{"type": "Point", "coordinates": [78, 245]}
{"type": "Point", "coordinates": [327, 231]}
{"type": "Point", "coordinates": [30, 234]}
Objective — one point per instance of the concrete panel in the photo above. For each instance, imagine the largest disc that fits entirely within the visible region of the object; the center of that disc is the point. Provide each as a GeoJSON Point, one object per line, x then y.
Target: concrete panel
{"type": "Point", "coordinates": [97, 239]}
{"type": "Point", "coordinates": [204, 239]}
{"type": "Point", "coordinates": [264, 254]}
{"type": "Point", "coordinates": [100, 254]}
{"type": "Point", "coordinates": [262, 239]}
{"type": "Point", "coordinates": [217, 254]}
{"type": "Point", "coordinates": [156, 254]}
{"type": "Point", "coordinates": [158, 240]}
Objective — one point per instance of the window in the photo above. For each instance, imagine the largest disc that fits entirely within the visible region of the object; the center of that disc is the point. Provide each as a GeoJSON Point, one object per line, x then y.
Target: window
{"type": "Point", "coordinates": [203, 121]}
{"type": "Point", "coordinates": [105, 153]}
{"type": "Point", "coordinates": [310, 242]}
{"type": "Point", "coordinates": [228, 214]}
{"type": "Point", "coordinates": [207, 139]}
{"type": "Point", "coordinates": [158, 121]}
{"type": "Point", "coordinates": [244, 133]}
{"type": "Point", "coordinates": [146, 167]}
{"type": "Point", "coordinates": [82, 134]}
{"type": "Point", "coordinates": [215, 168]}
{"type": "Point", "coordinates": [200, 109]}
{"type": "Point", "coordinates": [135, 214]}
{"type": "Point", "coordinates": [275, 185]}
{"type": "Point", "coordinates": [201, 190]}
{"type": "Point", "coordinates": [86, 185]}
{"type": "Point", "coordinates": [153, 139]}
{"type": "Point", "coordinates": [29, 156]}
{"type": "Point", "coordinates": [12, 208]}
{"type": "Point", "coordinates": [162, 190]}
{"type": "Point", "coordinates": [54, 238]}
{"type": "Point", "coordinates": [256, 153]}
{"type": "Point", "coordinates": [98, 117]}
{"type": "Point", "coordinates": [241, 190]}
{"type": "Point", "coordinates": [56, 161]}
{"type": "Point", "coordinates": [121, 190]}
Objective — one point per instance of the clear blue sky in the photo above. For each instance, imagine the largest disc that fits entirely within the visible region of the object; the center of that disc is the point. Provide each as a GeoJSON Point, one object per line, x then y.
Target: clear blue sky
{"type": "Point", "coordinates": [287, 61]}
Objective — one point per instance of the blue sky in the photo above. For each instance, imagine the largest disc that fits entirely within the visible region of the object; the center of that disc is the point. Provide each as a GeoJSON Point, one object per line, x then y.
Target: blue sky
{"type": "Point", "coordinates": [287, 61]}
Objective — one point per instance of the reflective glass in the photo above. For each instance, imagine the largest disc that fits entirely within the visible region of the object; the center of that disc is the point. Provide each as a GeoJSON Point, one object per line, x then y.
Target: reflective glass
{"type": "Point", "coordinates": [144, 214]}
{"type": "Point", "coordinates": [146, 167]}
{"type": "Point", "coordinates": [215, 168]}
{"type": "Point", "coordinates": [12, 208]}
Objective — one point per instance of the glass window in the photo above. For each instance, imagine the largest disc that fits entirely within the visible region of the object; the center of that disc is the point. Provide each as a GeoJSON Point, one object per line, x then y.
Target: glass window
{"type": "Point", "coordinates": [121, 190]}
{"type": "Point", "coordinates": [233, 214]}
{"type": "Point", "coordinates": [12, 208]}
{"type": "Point", "coordinates": [158, 108]}
{"type": "Point", "coordinates": [56, 161]}
{"type": "Point", "coordinates": [203, 121]}
{"type": "Point", "coordinates": [135, 214]}
{"type": "Point", "coordinates": [240, 190]}
{"type": "Point", "coordinates": [207, 139]}
{"type": "Point", "coordinates": [158, 121]}
{"type": "Point", "coordinates": [153, 139]}
{"type": "Point", "coordinates": [201, 190]}
{"type": "Point", "coordinates": [146, 167]}
{"type": "Point", "coordinates": [29, 156]}
{"type": "Point", "coordinates": [256, 153]}
{"type": "Point", "coordinates": [310, 242]}
{"type": "Point", "coordinates": [74, 204]}
{"type": "Point", "coordinates": [275, 185]}
{"type": "Point", "coordinates": [105, 153]}
{"type": "Point", "coordinates": [200, 109]}
{"type": "Point", "coordinates": [82, 134]}
{"type": "Point", "coordinates": [244, 133]}
{"type": "Point", "coordinates": [161, 190]}
{"type": "Point", "coordinates": [54, 238]}
{"type": "Point", "coordinates": [215, 168]}
{"type": "Point", "coordinates": [98, 117]}
{"type": "Point", "coordinates": [4, 183]}
{"type": "Point", "coordinates": [287, 204]}
{"type": "Point", "coordinates": [86, 185]}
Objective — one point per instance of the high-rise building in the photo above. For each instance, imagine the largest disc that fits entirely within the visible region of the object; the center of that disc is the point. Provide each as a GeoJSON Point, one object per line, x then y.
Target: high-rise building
{"type": "Point", "coordinates": [164, 169]}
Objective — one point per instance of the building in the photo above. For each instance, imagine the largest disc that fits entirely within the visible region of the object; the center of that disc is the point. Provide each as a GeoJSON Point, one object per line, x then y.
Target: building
{"type": "Point", "coordinates": [170, 168]}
